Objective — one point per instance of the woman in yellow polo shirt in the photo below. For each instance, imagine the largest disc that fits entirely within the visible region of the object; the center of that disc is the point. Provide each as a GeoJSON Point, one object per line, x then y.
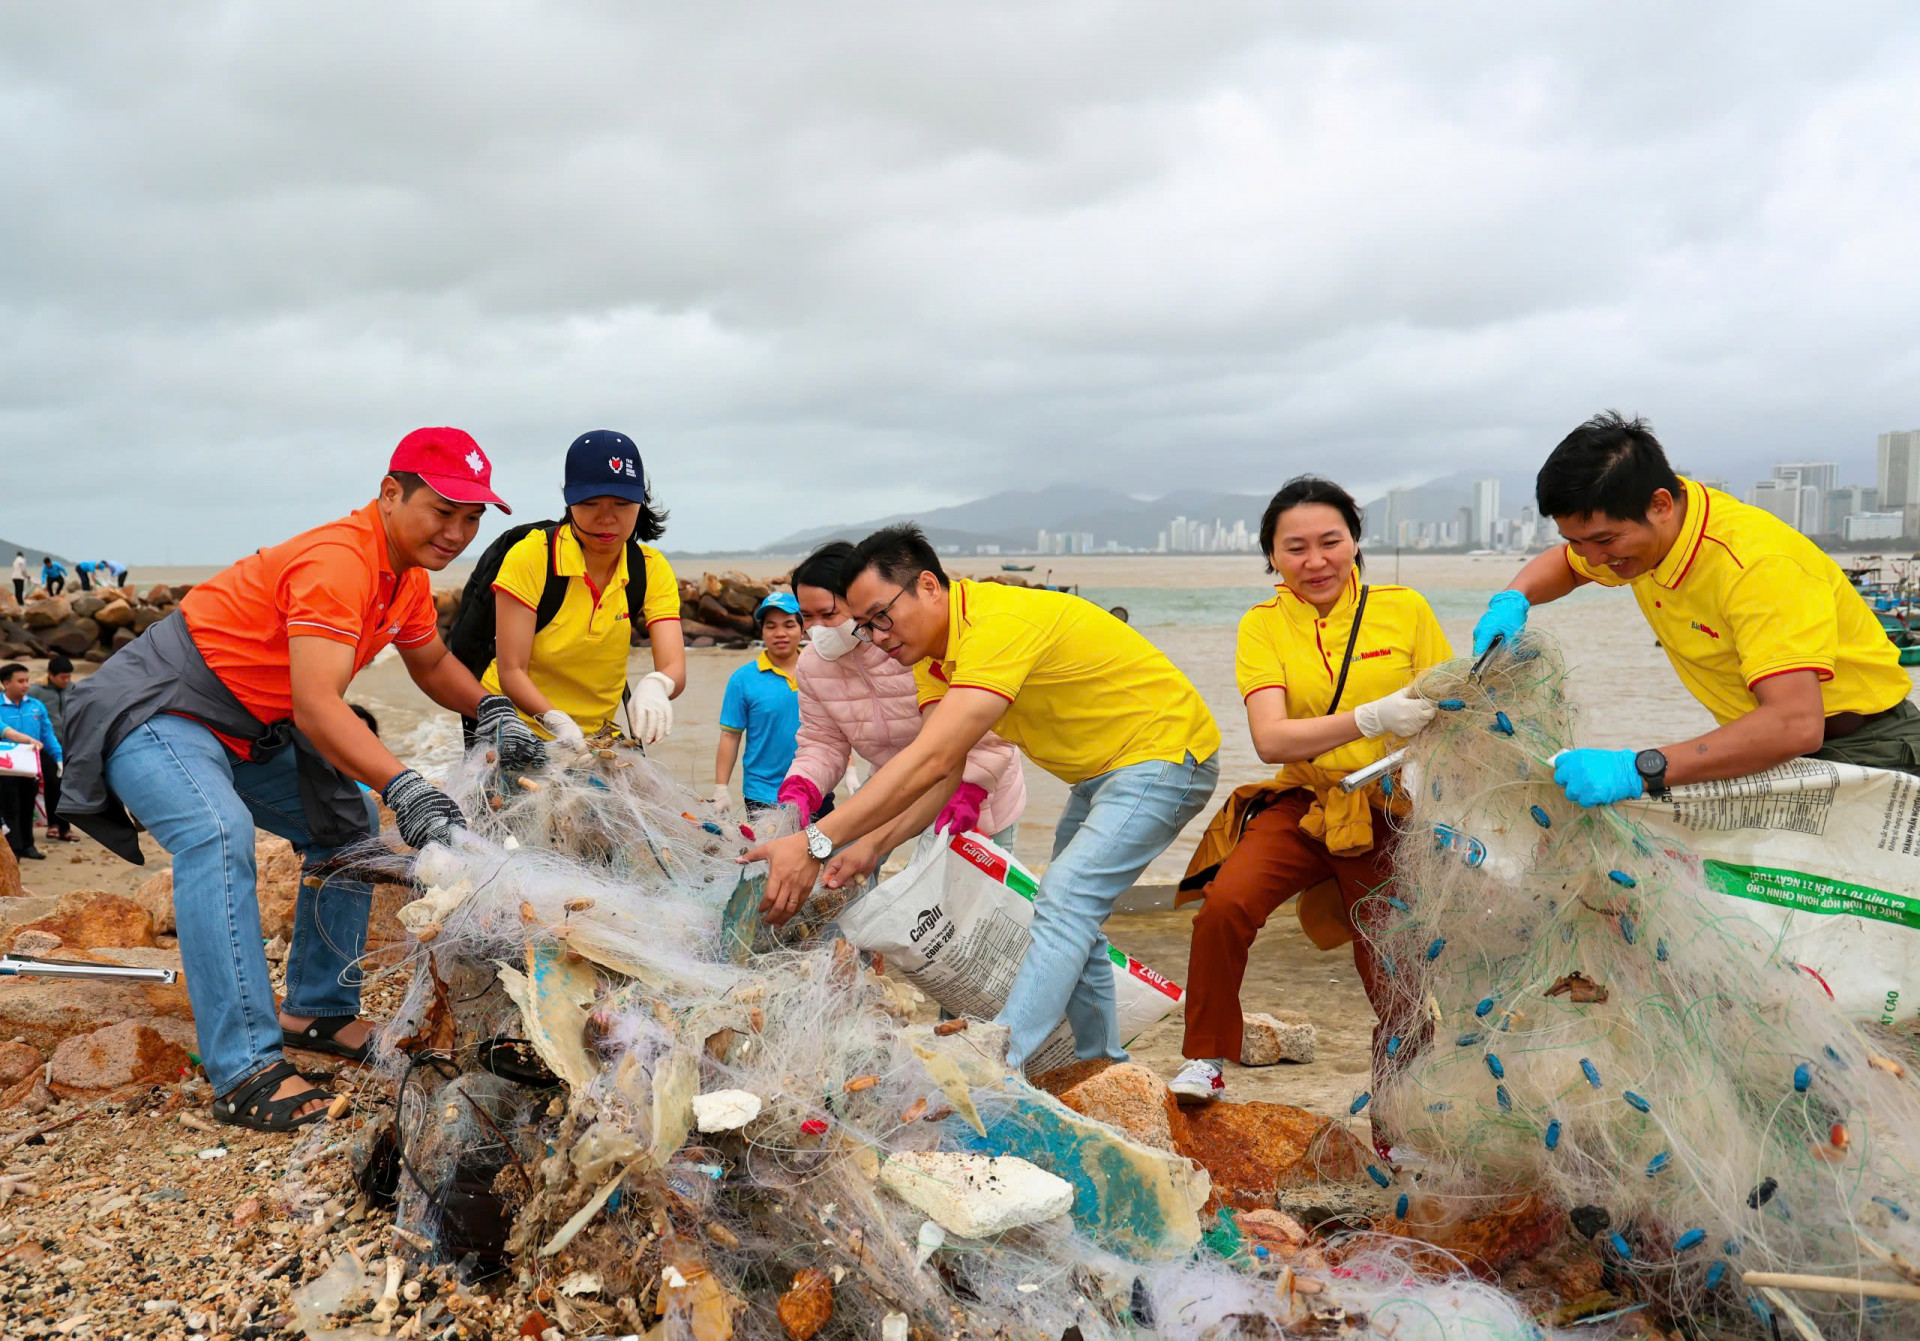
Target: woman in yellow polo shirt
{"type": "Point", "coordinates": [569, 677]}
{"type": "Point", "coordinates": [1326, 669]}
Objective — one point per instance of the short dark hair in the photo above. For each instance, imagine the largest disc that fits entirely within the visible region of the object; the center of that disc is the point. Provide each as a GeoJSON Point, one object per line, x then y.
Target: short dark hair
{"type": "Point", "coordinates": [410, 483]}
{"type": "Point", "coordinates": [1299, 491]}
{"type": "Point", "coordinates": [651, 524]}
{"type": "Point", "coordinates": [898, 553]}
{"type": "Point", "coordinates": [372, 722]}
{"type": "Point", "coordinates": [822, 567]}
{"type": "Point", "coordinates": [11, 669]}
{"type": "Point", "coordinates": [59, 665]}
{"type": "Point", "coordinates": [1610, 466]}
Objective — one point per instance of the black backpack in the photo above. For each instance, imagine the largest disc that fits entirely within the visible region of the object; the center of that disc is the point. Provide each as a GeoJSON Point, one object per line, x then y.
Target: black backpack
{"type": "Point", "coordinates": [471, 637]}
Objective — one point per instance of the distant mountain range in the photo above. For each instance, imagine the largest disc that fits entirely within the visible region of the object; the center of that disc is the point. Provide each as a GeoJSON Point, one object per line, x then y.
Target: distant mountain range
{"type": "Point", "coordinates": [1013, 519]}
{"type": "Point", "coordinates": [9, 548]}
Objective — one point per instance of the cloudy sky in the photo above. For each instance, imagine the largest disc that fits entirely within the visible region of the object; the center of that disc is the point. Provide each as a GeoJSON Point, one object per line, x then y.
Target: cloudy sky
{"type": "Point", "coordinates": [829, 261]}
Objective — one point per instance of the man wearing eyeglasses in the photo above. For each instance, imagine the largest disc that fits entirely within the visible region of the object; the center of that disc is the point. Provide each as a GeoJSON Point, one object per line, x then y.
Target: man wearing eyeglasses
{"type": "Point", "coordinates": [1085, 697]}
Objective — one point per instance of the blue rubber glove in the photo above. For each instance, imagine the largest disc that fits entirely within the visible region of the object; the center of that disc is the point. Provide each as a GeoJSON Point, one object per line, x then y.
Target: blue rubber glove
{"type": "Point", "coordinates": [1598, 777]}
{"type": "Point", "coordinates": [1506, 617]}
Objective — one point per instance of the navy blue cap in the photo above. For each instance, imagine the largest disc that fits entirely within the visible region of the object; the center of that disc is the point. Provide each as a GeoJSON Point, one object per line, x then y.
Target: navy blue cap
{"type": "Point", "coordinates": [601, 464]}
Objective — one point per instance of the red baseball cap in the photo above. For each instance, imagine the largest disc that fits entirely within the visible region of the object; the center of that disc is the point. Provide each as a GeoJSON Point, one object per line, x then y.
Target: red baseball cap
{"type": "Point", "coordinates": [451, 463]}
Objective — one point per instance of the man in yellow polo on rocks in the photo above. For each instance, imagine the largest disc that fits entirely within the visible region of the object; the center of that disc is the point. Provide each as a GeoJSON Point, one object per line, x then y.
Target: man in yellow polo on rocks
{"type": "Point", "coordinates": [1762, 627]}
{"type": "Point", "coordinates": [1086, 697]}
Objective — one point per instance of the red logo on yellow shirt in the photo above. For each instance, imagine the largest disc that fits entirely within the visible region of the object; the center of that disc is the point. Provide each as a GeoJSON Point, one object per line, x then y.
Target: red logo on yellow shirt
{"type": "Point", "coordinates": [1376, 652]}
{"type": "Point", "coordinates": [1702, 628]}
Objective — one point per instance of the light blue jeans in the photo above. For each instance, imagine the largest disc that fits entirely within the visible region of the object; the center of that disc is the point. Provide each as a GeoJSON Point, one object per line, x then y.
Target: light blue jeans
{"type": "Point", "coordinates": [176, 778]}
{"type": "Point", "coordinates": [1113, 827]}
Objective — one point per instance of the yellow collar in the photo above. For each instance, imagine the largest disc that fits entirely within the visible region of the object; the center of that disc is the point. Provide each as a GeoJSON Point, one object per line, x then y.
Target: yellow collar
{"type": "Point", "coordinates": [765, 663]}
{"type": "Point", "coordinates": [569, 560]}
{"type": "Point", "coordinates": [1673, 569]}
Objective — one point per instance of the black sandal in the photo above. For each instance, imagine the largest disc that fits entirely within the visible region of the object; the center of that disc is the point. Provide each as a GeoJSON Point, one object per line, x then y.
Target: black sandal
{"type": "Point", "coordinates": [319, 1037]}
{"type": "Point", "coordinates": [248, 1105]}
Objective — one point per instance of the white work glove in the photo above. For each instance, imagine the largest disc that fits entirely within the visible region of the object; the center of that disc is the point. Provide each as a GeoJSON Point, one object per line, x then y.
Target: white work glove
{"type": "Point", "coordinates": [1401, 714]}
{"type": "Point", "coordinates": [722, 798]}
{"type": "Point", "coordinates": [564, 730]}
{"type": "Point", "coordinates": [651, 709]}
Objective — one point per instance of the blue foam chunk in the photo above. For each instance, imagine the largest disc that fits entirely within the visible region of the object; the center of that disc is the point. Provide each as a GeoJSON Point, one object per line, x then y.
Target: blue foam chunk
{"type": "Point", "coordinates": [1553, 1134]}
{"type": "Point", "coordinates": [1374, 1173]}
{"type": "Point", "coordinates": [1620, 1246]}
{"type": "Point", "coordinates": [1693, 1238]}
{"type": "Point", "coordinates": [1541, 817]}
{"type": "Point", "coordinates": [1360, 1102]}
{"type": "Point", "coordinates": [1501, 1097]}
{"type": "Point", "coordinates": [1438, 944]}
{"type": "Point", "coordinates": [1495, 1066]}
{"type": "Point", "coordinates": [1400, 1206]}
{"type": "Point", "coordinates": [1593, 1072]}
{"type": "Point", "coordinates": [1452, 704]}
{"type": "Point", "coordinates": [1635, 1102]}
{"type": "Point", "coordinates": [1622, 878]}
{"type": "Point", "coordinates": [1485, 1007]}
{"type": "Point", "coordinates": [1658, 1162]}
{"type": "Point", "coordinates": [1715, 1274]}
{"type": "Point", "coordinates": [1802, 1078]}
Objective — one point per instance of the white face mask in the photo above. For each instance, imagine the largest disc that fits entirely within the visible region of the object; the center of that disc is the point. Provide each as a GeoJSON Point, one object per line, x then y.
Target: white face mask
{"type": "Point", "coordinates": [833, 641]}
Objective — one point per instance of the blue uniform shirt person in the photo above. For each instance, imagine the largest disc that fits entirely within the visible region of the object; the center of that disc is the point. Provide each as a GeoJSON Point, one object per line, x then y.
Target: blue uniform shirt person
{"type": "Point", "coordinates": [23, 720]}
{"type": "Point", "coordinates": [762, 708]}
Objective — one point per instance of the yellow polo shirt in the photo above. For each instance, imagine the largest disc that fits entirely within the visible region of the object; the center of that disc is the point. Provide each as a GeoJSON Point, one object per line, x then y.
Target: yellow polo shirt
{"type": "Point", "coordinates": [1742, 596]}
{"type": "Point", "coordinates": [1286, 644]}
{"type": "Point", "coordinates": [1086, 693]}
{"type": "Point", "coordinates": [579, 661]}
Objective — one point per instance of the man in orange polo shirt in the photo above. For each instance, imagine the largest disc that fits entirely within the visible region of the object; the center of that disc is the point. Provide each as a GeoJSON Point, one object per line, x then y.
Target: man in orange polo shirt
{"type": "Point", "coordinates": [230, 714]}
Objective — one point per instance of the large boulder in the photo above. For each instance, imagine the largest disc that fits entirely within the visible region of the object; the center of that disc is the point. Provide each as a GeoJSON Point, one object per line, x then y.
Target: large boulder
{"type": "Point", "coordinates": [114, 614]}
{"type": "Point", "coordinates": [87, 603]}
{"type": "Point", "coordinates": [48, 611]}
{"type": "Point", "coordinates": [159, 594]}
{"type": "Point", "coordinates": [1123, 1095]}
{"type": "Point", "coordinates": [180, 591]}
{"type": "Point", "coordinates": [43, 1011]}
{"type": "Point", "coordinates": [75, 636]}
{"type": "Point", "coordinates": [10, 886]}
{"type": "Point", "coordinates": [93, 919]}
{"type": "Point", "coordinates": [121, 1054]}
{"type": "Point", "coordinates": [145, 617]}
{"type": "Point", "coordinates": [1253, 1150]}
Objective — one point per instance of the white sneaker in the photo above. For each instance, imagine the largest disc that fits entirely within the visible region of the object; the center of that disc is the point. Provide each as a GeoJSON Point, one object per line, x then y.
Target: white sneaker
{"type": "Point", "coordinates": [1199, 1081]}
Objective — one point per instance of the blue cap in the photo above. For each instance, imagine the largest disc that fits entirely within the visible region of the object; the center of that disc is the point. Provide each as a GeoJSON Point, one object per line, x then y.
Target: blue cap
{"type": "Point", "coordinates": [602, 464]}
{"type": "Point", "coordinates": [779, 600]}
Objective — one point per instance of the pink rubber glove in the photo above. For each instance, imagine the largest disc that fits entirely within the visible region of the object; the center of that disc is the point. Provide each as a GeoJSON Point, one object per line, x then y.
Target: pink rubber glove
{"type": "Point", "coordinates": [962, 811]}
{"type": "Point", "coordinates": [798, 791]}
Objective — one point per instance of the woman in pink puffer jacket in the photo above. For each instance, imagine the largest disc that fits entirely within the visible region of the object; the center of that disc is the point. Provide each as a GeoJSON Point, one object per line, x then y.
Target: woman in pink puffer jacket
{"type": "Point", "coordinates": [855, 699]}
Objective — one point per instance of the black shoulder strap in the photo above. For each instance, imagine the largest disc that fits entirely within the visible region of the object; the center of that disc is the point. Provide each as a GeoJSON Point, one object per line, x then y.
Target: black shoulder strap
{"type": "Point", "coordinates": [554, 594]}
{"type": "Point", "coordinates": [636, 584]}
{"type": "Point", "coordinates": [1346, 662]}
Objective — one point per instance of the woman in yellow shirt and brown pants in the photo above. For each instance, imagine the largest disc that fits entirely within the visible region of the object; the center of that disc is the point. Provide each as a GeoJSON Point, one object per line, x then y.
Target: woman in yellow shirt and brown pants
{"type": "Point", "coordinates": [1326, 669]}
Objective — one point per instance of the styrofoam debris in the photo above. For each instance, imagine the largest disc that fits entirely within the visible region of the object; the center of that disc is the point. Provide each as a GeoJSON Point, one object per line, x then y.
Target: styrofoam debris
{"type": "Point", "coordinates": [976, 1196]}
{"type": "Point", "coordinates": [725, 1110]}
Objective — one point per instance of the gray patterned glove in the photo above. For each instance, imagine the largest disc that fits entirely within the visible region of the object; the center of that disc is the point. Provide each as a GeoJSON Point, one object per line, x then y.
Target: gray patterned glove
{"type": "Point", "coordinates": [519, 748]}
{"type": "Point", "coordinates": [426, 814]}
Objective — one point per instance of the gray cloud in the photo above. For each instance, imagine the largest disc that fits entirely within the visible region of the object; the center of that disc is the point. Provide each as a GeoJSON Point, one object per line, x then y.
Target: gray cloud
{"type": "Point", "coordinates": [831, 261]}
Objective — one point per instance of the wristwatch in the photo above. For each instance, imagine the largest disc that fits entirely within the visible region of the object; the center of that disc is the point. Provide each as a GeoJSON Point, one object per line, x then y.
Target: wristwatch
{"type": "Point", "coordinates": [1651, 765]}
{"type": "Point", "coordinates": [820, 847]}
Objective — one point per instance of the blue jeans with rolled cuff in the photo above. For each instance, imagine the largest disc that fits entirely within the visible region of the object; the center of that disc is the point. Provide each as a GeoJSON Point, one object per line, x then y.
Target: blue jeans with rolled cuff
{"type": "Point", "coordinates": [1113, 826]}
{"type": "Point", "coordinates": [202, 806]}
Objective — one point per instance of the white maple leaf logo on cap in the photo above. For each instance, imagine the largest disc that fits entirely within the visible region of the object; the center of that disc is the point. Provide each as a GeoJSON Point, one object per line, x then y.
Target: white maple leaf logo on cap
{"type": "Point", "coordinates": [476, 462]}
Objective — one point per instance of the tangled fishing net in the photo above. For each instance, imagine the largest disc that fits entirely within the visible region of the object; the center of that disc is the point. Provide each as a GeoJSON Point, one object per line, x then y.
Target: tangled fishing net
{"type": "Point", "coordinates": [1581, 1018]}
{"type": "Point", "coordinates": [613, 1080]}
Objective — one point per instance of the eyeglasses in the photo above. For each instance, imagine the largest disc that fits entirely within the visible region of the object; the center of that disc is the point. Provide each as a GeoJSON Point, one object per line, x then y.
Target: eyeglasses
{"type": "Point", "coordinates": [881, 622]}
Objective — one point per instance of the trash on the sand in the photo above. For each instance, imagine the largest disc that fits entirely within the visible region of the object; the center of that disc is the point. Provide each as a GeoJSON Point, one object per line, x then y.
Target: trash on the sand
{"type": "Point", "coordinates": [725, 1110]}
{"type": "Point", "coordinates": [975, 1196]}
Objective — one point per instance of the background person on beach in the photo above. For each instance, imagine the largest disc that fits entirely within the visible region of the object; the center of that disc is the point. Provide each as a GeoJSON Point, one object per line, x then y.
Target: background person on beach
{"type": "Point", "coordinates": [20, 578]}
{"type": "Point", "coordinates": [25, 717]}
{"type": "Point", "coordinates": [1301, 657]}
{"type": "Point", "coordinates": [52, 693]}
{"type": "Point", "coordinates": [570, 674]}
{"type": "Point", "coordinates": [53, 576]}
{"type": "Point", "coordinates": [855, 699]}
{"type": "Point", "coordinates": [1087, 698]}
{"type": "Point", "coordinates": [229, 714]}
{"type": "Point", "coordinates": [762, 707]}
{"type": "Point", "coordinates": [84, 571]}
{"type": "Point", "coordinates": [1761, 626]}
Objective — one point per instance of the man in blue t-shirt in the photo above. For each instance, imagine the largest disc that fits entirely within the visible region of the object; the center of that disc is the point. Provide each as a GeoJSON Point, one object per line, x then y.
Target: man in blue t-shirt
{"type": "Point", "coordinates": [762, 704]}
